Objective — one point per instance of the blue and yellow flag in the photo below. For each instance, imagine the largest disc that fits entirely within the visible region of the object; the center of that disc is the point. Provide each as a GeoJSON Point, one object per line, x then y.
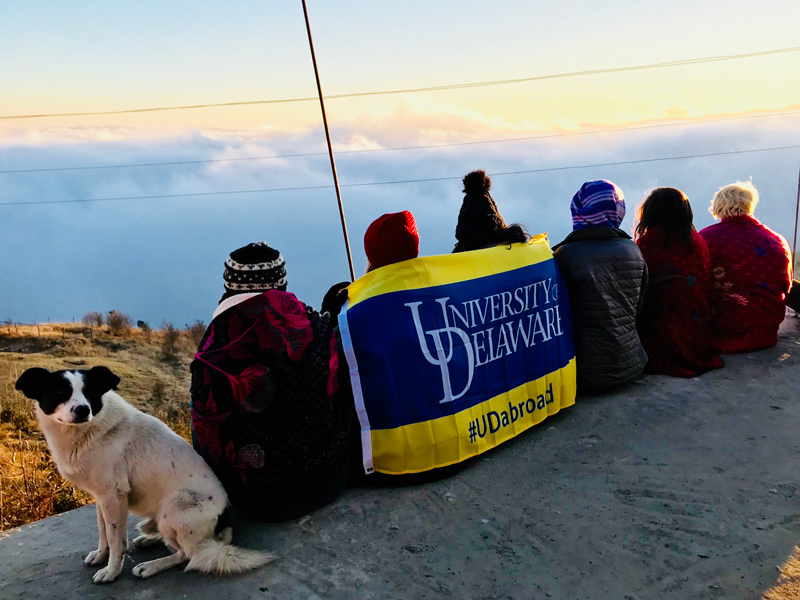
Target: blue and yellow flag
{"type": "Point", "coordinates": [452, 355]}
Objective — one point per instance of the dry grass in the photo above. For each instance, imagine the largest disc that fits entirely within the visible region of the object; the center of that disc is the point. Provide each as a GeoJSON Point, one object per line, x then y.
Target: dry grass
{"type": "Point", "coordinates": [788, 585]}
{"type": "Point", "coordinates": [30, 486]}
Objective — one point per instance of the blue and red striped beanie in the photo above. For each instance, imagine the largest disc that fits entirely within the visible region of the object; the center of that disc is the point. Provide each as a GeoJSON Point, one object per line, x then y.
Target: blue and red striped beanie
{"type": "Point", "coordinates": [599, 203]}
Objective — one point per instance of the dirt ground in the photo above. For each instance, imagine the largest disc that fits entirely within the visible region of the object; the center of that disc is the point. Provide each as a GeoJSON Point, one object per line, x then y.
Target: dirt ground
{"type": "Point", "coordinates": [666, 489]}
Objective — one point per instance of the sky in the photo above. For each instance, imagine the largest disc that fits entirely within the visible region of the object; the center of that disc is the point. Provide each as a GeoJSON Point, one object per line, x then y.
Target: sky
{"type": "Point", "coordinates": [162, 258]}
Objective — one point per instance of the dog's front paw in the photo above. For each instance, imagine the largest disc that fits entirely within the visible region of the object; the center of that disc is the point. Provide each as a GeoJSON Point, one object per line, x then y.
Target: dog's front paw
{"type": "Point", "coordinates": [106, 574]}
{"type": "Point", "coordinates": [144, 570]}
{"type": "Point", "coordinates": [96, 557]}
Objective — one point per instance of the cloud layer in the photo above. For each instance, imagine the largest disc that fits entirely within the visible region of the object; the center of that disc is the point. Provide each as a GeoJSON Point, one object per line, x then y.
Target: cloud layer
{"type": "Point", "coordinates": [162, 258]}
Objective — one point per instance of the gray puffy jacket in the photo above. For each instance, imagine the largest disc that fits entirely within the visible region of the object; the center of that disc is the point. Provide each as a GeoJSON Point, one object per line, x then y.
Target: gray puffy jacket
{"type": "Point", "coordinates": [606, 276]}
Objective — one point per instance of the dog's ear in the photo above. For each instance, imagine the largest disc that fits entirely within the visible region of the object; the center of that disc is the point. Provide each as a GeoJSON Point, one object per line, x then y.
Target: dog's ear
{"type": "Point", "coordinates": [102, 380]}
{"type": "Point", "coordinates": [34, 382]}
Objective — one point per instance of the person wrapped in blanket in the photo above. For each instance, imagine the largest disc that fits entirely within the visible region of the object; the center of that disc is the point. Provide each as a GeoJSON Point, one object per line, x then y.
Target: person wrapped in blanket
{"type": "Point", "coordinates": [390, 239]}
{"type": "Point", "coordinates": [751, 273]}
{"type": "Point", "coordinates": [675, 322]}
{"type": "Point", "coordinates": [266, 412]}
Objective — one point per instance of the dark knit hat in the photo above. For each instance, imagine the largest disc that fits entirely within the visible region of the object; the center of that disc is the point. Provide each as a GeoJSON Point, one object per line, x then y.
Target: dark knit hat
{"type": "Point", "coordinates": [254, 268]}
{"type": "Point", "coordinates": [391, 238]}
{"type": "Point", "coordinates": [478, 215]}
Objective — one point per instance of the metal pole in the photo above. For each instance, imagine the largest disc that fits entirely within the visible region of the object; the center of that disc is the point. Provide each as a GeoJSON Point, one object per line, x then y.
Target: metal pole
{"type": "Point", "coordinates": [330, 148]}
{"type": "Point", "coordinates": [796, 217]}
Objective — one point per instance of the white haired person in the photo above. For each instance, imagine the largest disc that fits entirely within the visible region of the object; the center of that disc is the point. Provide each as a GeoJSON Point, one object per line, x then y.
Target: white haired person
{"type": "Point", "coordinates": [751, 272]}
{"type": "Point", "coordinates": [266, 411]}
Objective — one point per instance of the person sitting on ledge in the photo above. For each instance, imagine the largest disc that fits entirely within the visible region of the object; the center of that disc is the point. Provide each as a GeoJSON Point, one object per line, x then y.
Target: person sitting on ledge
{"type": "Point", "coordinates": [606, 276]}
{"type": "Point", "coordinates": [675, 323]}
{"type": "Point", "coordinates": [751, 273]}
{"type": "Point", "coordinates": [266, 412]}
{"type": "Point", "coordinates": [480, 224]}
{"type": "Point", "coordinates": [389, 239]}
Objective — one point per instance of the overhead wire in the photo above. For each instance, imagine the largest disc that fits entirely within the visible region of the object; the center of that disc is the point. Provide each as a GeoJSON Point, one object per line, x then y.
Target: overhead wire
{"type": "Point", "coordinates": [455, 86]}
{"type": "Point", "coordinates": [400, 181]}
{"type": "Point", "coordinates": [395, 148]}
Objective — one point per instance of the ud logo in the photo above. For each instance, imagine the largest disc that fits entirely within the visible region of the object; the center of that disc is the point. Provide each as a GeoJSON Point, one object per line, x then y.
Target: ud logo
{"type": "Point", "coordinates": [443, 351]}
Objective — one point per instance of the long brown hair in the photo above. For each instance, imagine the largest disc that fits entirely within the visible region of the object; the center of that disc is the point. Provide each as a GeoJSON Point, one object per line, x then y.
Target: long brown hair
{"type": "Point", "coordinates": [669, 208]}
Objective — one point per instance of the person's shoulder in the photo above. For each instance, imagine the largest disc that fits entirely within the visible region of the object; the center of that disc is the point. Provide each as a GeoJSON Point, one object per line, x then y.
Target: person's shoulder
{"type": "Point", "coordinates": [698, 241]}
{"type": "Point", "coordinates": [631, 249]}
{"type": "Point", "coordinates": [623, 240]}
{"type": "Point", "coordinates": [650, 234]}
{"type": "Point", "coordinates": [710, 230]}
{"type": "Point", "coordinates": [563, 250]}
{"type": "Point", "coordinates": [652, 238]}
{"type": "Point", "coordinates": [756, 232]}
{"type": "Point", "coordinates": [773, 235]}
{"type": "Point", "coordinates": [561, 255]}
{"type": "Point", "coordinates": [566, 255]}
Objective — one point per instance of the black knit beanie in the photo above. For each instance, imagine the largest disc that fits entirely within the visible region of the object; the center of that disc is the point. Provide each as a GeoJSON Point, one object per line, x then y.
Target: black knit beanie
{"type": "Point", "coordinates": [478, 215]}
{"type": "Point", "coordinates": [254, 268]}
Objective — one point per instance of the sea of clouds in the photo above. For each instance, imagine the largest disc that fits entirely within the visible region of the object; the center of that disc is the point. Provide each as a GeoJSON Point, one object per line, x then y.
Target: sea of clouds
{"type": "Point", "coordinates": [162, 258]}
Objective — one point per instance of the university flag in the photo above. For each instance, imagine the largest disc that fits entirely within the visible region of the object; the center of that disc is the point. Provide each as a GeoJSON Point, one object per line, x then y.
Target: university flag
{"type": "Point", "coordinates": [452, 355]}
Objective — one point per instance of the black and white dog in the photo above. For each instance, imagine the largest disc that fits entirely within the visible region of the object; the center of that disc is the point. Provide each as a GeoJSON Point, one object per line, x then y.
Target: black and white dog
{"type": "Point", "coordinates": [131, 461]}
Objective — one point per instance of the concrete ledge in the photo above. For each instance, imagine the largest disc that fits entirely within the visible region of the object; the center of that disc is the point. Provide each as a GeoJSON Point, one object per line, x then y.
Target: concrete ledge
{"type": "Point", "coordinates": [667, 489]}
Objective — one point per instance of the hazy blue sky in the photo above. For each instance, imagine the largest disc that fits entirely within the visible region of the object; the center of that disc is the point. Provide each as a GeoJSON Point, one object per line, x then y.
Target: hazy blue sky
{"type": "Point", "coordinates": [163, 258]}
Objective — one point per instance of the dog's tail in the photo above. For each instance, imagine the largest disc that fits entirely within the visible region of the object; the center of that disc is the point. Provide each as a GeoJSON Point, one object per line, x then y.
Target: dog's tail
{"type": "Point", "coordinates": [220, 558]}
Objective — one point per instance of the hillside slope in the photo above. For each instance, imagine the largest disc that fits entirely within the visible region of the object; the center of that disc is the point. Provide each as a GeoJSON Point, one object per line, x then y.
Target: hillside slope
{"type": "Point", "coordinates": [30, 487]}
